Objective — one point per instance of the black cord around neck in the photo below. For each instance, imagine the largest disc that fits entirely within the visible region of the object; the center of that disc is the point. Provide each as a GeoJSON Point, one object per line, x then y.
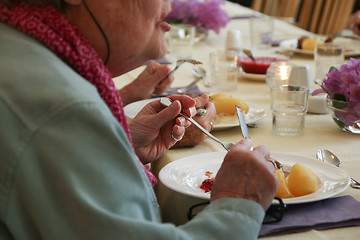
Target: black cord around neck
{"type": "Point", "coordinates": [101, 30]}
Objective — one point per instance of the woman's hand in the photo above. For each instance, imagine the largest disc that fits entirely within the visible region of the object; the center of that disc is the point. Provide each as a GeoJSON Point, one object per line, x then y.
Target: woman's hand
{"type": "Point", "coordinates": [155, 129]}
{"type": "Point", "coordinates": [150, 81]}
{"type": "Point", "coordinates": [246, 174]}
{"type": "Point", "coordinates": [193, 136]}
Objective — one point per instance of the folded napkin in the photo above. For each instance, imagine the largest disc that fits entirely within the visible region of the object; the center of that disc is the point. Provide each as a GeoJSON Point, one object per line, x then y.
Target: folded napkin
{"type": "Point", "coordinates": [330, 213]}
{"type": "Point", "coordinates": [172, 91]}
{"type": "Point", "coordinates": [245, 16]}
{"type": "Point", "coordinates": [276, 42]}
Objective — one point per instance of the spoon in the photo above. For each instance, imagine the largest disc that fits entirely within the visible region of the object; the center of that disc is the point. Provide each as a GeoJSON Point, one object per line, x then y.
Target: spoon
{"type": "Point", "coordinates": [327, 156]}
{"type": "Point", "coordinates": [227, 145]}
{"type": "Point", "coordinates": [200, 72]}
{"type": "Point", "coordinates": [249, 54]}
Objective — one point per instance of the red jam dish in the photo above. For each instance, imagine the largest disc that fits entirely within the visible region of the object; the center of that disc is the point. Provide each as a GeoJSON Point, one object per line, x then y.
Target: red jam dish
{"type": "Point", "coordinates": [258, 67]}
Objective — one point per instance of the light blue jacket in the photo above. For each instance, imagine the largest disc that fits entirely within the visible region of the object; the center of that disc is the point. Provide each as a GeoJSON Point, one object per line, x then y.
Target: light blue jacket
{"type": "Point", "coordinates": [67, 170]}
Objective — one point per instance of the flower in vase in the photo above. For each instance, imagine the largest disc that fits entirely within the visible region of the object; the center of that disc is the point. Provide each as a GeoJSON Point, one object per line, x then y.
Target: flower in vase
{"type": "Point", "coordinates": [343, 88]}
{"type": "Point", "coordinates": [205, 14]}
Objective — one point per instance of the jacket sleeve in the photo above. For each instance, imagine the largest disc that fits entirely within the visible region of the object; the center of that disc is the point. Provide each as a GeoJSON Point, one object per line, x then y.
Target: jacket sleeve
{"type": "Point", "coordinates": [78, 178]}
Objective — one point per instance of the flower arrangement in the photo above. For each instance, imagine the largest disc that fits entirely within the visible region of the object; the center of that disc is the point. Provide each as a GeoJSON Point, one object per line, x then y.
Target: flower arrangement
{"type": "Point", "coordinates": [343, 88]}
{"type": "Point", "coordinates": [206, 14]}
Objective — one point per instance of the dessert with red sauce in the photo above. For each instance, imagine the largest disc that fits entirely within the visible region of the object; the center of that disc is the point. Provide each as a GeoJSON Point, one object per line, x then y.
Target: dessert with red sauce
{"type": "Point", "coordinates": [258, 67]}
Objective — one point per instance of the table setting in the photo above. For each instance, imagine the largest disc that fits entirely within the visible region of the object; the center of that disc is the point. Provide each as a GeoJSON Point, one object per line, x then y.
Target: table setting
{"type": "Point", "coordinates": [332, 211]}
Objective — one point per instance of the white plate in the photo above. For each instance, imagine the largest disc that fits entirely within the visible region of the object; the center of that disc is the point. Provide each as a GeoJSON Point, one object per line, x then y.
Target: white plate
{"type": "Point", "coordinates": [291, 45]}
{"type": "Point", "coordinates": [256, 112]}
{"type": "Point", "coordinates": [252, 76]}
{"type": "Point", "coordinates": [186, 175]}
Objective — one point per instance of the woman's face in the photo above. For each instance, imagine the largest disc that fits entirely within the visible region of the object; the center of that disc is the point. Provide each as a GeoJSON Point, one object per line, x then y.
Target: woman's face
{"type": "Point", "coordinates": [135, 30]}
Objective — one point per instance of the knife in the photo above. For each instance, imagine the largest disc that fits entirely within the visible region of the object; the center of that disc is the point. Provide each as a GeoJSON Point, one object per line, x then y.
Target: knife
{"type": "Point", "coordinates": [243, 126]}
{"type": "Point", "coordinates": [245, 133]}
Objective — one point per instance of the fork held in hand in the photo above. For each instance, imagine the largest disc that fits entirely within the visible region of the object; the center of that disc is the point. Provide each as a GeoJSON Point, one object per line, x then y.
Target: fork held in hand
{"type": "Point", "coordinates": [227, 145]}
{"type": "Point", "coordinates": [180, 62]}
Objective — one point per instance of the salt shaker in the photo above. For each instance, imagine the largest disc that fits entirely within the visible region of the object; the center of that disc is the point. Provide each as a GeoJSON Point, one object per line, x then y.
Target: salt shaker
{"type": "Point", "coordinates": [233, 44]}
{"type": "Point", "coordinates": [233, 40]}
{"type": "Point", "coordinates": [300, 76]}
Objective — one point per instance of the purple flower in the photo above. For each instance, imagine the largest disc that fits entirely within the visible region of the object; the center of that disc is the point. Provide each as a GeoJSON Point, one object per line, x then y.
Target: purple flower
{"type": "Point", "coordinates": [343, 84]}
{"type": "Point", "coordinates": [344, 81]}
{"type": "Point", "coordinates": [206, 14]}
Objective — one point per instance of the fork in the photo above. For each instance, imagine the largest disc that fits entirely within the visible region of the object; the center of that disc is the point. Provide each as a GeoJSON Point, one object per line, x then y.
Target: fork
{"type": "Point", "coordinates": [227, 145]}
{"type": "Point", "coordinates": [180, 62]}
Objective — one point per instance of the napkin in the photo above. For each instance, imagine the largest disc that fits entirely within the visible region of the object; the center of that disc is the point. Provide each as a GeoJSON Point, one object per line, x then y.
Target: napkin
{"type": "Point", "coordinates": [244, 16]}
{"type": "Point", "coordinates": [330, 213]}
{"type": "Point", "coordinates": [172, 91]}
{"type": "Point", "coordinates": [162, 60]}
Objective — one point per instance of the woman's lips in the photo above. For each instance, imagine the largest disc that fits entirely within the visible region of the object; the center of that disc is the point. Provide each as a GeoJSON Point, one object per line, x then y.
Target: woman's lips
{"type": "Point", "coordinates": [165, 26]}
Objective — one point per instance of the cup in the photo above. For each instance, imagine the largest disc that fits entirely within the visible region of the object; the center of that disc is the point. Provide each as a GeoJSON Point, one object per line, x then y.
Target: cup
{"type": "Point", "coordinates": [181, 40]}
{"type": "Point", "coordinates": [326, 56]}
{"type": "Point", "coordinates": [223, 71]}
{"type": "Point", "coordinates": [289, 105]}
{"type": "Point", "coordinates": [261, 31]}
{"type": "Point", "coordinates": [278, 73]}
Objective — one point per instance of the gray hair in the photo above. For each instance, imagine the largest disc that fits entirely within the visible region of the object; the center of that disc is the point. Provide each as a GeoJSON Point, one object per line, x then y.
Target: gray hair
{"type": "Point", "coordinates": [58, 4]}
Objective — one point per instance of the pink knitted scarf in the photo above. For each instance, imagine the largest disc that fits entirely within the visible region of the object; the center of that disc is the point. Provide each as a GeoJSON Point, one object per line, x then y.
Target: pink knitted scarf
{"type": "Point", "coordinates": [52, 28]}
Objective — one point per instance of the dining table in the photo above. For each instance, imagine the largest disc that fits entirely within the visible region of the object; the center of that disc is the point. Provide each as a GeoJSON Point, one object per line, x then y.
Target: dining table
{"type": "Point", "coordinates": [320, 130]}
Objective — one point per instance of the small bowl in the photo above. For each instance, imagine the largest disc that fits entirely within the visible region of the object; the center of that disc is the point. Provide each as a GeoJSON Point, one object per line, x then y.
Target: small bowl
{"type": "Point", "coordinates": [258, 67]}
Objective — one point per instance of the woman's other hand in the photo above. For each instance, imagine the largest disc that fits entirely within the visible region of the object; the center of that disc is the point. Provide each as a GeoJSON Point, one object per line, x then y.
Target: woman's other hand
{"type": "Point", "coordinates": [193, 136]}
{"type": "Point", "coordinates": [150, 81]}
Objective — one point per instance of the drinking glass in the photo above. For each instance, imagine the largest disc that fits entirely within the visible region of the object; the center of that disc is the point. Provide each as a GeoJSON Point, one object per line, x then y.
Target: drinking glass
{"type": "Point", "coordinates": [326, 56]}
{"type": "Point", "coordinates": [181, 40]}
{"type": "Point", "coordinates": [261, 31]}
{"type": "Point", "coordinates": [289, 105]}
{"type": "Point", "coordinates": [223, 71]}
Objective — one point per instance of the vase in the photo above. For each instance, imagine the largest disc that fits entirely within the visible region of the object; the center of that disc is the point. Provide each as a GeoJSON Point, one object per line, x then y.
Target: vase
{"type": "Point", "coordinates": [345, 114]}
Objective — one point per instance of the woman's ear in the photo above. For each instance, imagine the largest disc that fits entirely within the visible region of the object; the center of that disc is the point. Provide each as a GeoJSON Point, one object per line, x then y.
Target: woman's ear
{"type": "Point", "coordinates": [73, 2]}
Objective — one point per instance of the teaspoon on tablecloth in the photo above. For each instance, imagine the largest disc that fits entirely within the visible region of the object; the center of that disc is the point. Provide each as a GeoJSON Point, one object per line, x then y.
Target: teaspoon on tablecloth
{"type": "Point", "coordinates": [327, 156]}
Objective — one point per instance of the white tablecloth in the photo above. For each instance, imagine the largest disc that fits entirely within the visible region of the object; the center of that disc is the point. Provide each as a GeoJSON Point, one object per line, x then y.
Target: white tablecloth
{"type": "Point", "coordinates": [320, 130]}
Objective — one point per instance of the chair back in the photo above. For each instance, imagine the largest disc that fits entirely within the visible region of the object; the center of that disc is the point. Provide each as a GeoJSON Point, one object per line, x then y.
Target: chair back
{"type": "Point", "coordinates": [324, 16]}
{"type": "Point", "coordinates": [317, 16]}
{"type": "Point", "coordinates": [282, 9]}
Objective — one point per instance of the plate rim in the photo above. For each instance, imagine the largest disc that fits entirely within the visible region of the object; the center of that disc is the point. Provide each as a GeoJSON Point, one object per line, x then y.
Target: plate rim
{"type": "Point", "coordinates": [252, 76]}
{"type": "Point", "coordinates": [309, 52]}
{"type": "Point", "coordinates": [251, 107]}
{"type": "Point", "coordinates": [221, 154]}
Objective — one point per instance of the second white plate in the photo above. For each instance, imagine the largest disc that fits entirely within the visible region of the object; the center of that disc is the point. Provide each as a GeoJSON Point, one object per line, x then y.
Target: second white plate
{"type": "Point", "coordinates": [253, 77]}
{"type": "Point", "coordinates": [256, 112]}
{"type": "Point", "coordinates": [291, 45]}
{"type": "Point", "coordinates": [186, 175]}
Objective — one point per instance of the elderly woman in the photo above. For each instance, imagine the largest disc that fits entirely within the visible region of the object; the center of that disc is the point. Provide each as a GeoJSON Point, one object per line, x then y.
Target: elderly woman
{"type": "Point", "coordinates": [68, 168]}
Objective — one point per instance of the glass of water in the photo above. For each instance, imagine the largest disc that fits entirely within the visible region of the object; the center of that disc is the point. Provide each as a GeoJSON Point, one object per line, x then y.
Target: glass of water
{"type": "Point", "coordinates": [289, 105]}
